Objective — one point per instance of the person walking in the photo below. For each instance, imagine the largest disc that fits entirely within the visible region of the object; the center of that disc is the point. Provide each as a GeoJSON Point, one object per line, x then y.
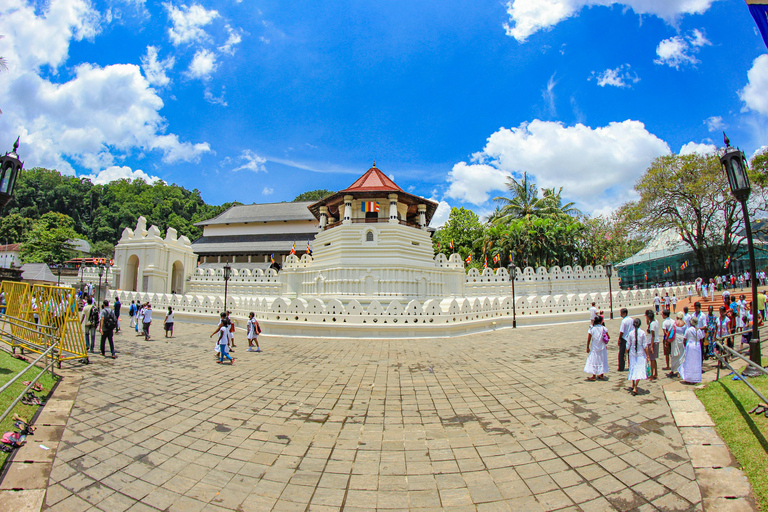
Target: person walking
{"type": "Point", "coordinates": [690, 369]}
{"type": "Point", "coordinates": [89, 319]}
{"type": "Point", "coordinates": [667, 327]}
{"type": "Point", "coordinates": [724, 329]}
{"type": "Point", "coordinates": [657, 303]}
{"type": "Point", "coordinates": [597, 350]}
{"type": "Point", "coordinates": [653, 343]}
{"type": "Point", "coordinates": [117, 306]}
{"type": "Point", "coordinates": [626, 327]}
{"type": "Point", "coordinates": [592, 314]}
{"type": "Point", "coordinates": [107, 324]}
{"type": "Point", "coordinates": [147, 320]}
{"type": "Point", "coordinates": [132, 314]}
{"type": "Point", "coordinates": [223, 341]}
{"type": "Point", "coordinates": [709, 345]}
{"type": "Point", "coordinates": [231, 332]}
{"type": "Point", "coordinates": [254, 329]}
{"type": "Point", "coordinates": [168, 323]}
{"type": "Point", "coordinates": [673, 300]}
{"type": "Point", "coordinates": [666, 300]}
{"type": "Point", "coordinates": [637, 350]}
{"type": "Point", "coordinates": [677, 351]}
{"type": "Point", "coordinates": [139, 319]}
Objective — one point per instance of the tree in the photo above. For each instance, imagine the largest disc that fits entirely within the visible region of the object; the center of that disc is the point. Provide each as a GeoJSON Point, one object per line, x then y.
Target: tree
{"type": "Point", "coordinates": [524, 200]}
{"type": "Point", "coordinates": [690, 194]}
{"type": "Point", "coordinates": [103, 249]}
{"type": "Point", "coordinates": [313, 195]}
{"type": "Point", "coordinates": [463, 228]}
{"type": "Point", "coordinates": [49, 239]}
{"type": "Point", "coordinates": [14, 228]}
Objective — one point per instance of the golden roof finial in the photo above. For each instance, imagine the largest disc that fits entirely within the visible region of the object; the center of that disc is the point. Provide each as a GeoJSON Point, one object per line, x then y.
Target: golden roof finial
{"type": "Point", "coordinates": [374, 162]}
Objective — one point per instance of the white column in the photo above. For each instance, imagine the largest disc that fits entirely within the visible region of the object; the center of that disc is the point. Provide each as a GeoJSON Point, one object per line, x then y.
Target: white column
{"type": "Point", "coordinates": [422, 216]}
{"type": "Point", "coordinates": [323, 217]}
{"type": "Point", "coordinates": [393, 208]}
{"type": "Point", "coordinates": [347, 210]}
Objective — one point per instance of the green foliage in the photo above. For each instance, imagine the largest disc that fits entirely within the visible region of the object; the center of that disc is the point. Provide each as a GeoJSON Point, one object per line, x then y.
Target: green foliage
{"type": "Point", "coordinates": [463, 227]}
{"type": "Point", "coordinates": [101, 212]}
{"type": "Point", "coordinates": [313, 195]}
{"type": "Point", "coordinates": [14, 228]}
{"type": "Point", "coordinates": [48, 241]}
{"type": "Point", "coordinates": [524, 201]}
{"type": "Point", "coordinates": [103, 249]}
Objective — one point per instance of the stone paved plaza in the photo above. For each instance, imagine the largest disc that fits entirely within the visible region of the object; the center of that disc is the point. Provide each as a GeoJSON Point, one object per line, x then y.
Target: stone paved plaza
{"type": "Point", "coordinates": [497, 421]}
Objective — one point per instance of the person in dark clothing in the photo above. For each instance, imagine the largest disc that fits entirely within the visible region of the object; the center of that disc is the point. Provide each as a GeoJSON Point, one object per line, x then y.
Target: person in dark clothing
{"type": "Point", "coordinates": [107, 324]}
{"type": "Point", "coordinates": [118, 305]}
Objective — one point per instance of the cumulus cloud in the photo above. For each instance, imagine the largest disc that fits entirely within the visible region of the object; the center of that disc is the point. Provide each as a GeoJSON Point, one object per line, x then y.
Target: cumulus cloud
{"type": "Point", "coordinates": [697, 148]}
{"type": "Point", "coordinates": [202, 65]}
{"type": "Point", "coordinates": [680, 51]}
{"type": "Point", "coordinates": [252, 162]}
{"type": "Point", "coordinates": [586, 162]}
{"type": "Point", "coordinates": [714, 123]}
{"type": "Point", "coordinates": [526, 17]}
{"type": "Point", "coordinates": [755, 93]}
{"type": "Point", "coordinates": [235, 37]}
{"type": "Point", "coordinates": [267, 191]}
{"type": "Point", "coordinates": [115, 173]}
{"type": "Point", "coordinates": [441, 214]}
{"type": "Point", "coordinates": [187, 23]}
{"type": "Point", "coordinates": [619, 77]}
{"type": "Point", "coordinates": [155, 69]}
{"type": "Point", "coordinates": [98, 116]}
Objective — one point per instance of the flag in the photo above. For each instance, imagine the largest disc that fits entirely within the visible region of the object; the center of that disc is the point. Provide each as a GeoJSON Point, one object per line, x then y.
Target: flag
{"type": "Point", "coordinates": [759, 11]}
{"type": "Point", "coordinates": [646, 276]}
{"type": "Point", "coordinates": [727, 262]}
{"type": "Point", "coordinates": [510, 257]}
{"type": "Point", "coordinates": [293, 248]}
{"type": "Point", "coordinates": [451, 245]}
{"type": "Point", "coordinates": [438, 246]}
{"type": "Point", "coordinates": [309, 251]}
{"type": "Point", "coordinates": [272, 258]}
{"type": "Point", "coordinates": [469, 258]}
{"type": "Point", "coordinates": [497, 259]}
{"type": "Point", "coordinates": [485, 263]}
{"type": "Point", "coordinates": [370, 206]}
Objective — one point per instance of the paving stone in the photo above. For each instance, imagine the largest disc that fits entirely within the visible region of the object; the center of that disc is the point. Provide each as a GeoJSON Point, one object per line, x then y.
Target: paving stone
{"type": "Point", "coordinates": [22, 501]}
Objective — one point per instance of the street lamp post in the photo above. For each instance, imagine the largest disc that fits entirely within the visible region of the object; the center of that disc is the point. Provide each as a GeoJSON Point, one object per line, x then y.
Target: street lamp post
{"type": "Point", "coordinates": [735, 168]}
{"type": "Point", "coordinates": [512, 275]}
{"type": "Point", "coordinates": [10, 167]}
{"type": "Point", "coordinates": [227, 273]}
{"type": "Point", "coordinates": [101, 273]}
{"type": "Point", "coordinates": [609, 273]}
{"type": "Point", "coordinates": [58, 273]}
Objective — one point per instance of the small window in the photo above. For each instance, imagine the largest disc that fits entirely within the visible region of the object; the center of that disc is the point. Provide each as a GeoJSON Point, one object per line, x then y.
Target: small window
{"type": "Point", "coordinates": [369, 236]}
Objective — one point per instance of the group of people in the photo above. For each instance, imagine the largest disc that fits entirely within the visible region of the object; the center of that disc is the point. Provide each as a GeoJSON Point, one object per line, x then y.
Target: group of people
{"type": "Point", "coordinates": [686, 339]}
{"type": "Point", "coordinates": [104, 319]}
{"type": "Point", "coordinates": [225, 343]}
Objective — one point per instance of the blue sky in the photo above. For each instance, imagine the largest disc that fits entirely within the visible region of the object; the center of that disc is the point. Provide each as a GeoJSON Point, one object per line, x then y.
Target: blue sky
{"type": "Point", "coordinates": [258, 101]}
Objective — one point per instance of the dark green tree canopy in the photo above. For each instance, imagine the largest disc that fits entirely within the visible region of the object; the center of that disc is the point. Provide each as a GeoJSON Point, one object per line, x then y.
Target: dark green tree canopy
{"type": "Point", "coordinates": [313, 195]}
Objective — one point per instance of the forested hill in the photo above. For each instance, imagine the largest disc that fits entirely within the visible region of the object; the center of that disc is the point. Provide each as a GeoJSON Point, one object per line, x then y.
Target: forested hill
{"type": "Point", "coordinates": [100, 212]}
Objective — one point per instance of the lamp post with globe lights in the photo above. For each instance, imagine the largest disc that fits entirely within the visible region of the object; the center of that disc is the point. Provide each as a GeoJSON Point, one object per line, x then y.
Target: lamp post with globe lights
{"type": "Point", "coordinates": [609, 273]}
{"type": "Point", "coordinates": [735, 168]}
{"type": "Point", "coordinates": [227, 274]}
{"type": "Point", "coordinates": [10, 167]}
{"type": "Point", "coordinates": [512, 275]}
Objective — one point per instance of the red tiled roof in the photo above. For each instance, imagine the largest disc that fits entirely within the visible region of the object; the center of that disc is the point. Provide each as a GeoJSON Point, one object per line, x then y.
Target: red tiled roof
{"type": "Point", "coordinates": [373, 181]}
{"type": "Point", "coordinates": [10, 248]}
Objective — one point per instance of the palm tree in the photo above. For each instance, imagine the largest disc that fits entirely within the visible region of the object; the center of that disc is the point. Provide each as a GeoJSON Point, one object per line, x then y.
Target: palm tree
{"type": "Point", "coordinates": [525, 200]}
{"type": "Point", "coordinates": [555, 204]}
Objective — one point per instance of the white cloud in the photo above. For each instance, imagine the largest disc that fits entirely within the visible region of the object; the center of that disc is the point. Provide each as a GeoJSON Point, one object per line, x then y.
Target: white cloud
{"type": "Point", "coordinates": [441, 215]}
{"type": "Point", "coordinates": [696, 148]}
{"type": "Point", "coordinates": [235, 37]}
{"type": "Point", "coordinates": [188, 22]}
{"type": "Point", "coordinates": [33, 41]}
{"type": "Point", "coordinates": [680, 51]}
{"type": "Point", "coordinates": [115, 173]}
{"type": "Point", "coordinates": [216, 100]}
{"type": "Point", "coordinates": [755, 93]}
{"type": "Point", "coordinates": [526, 17]}
{"type": "Point", "coordinates": [619, 77]}
{"type": "Point", "coordinates": [202, 65]}
{"type": "Point", "coordinates": [549, 95]}
{"type": "Point", "coordinates": [267, 191]}
{"type": "Point", "coordinates": [176, 151]}
{"type": "Point", "coordinates": [155, 69]}
{"type": "Point", "coordinates": [253, 162]}
{"type": "Point", "coordinates": [714, 123]}
{"type": "Point", "coordinates": [586, 162]}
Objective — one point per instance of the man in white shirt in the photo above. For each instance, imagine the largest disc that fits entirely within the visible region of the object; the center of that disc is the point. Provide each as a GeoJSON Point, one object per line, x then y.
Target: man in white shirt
{"type": "Point", "coordinates": [592, 314]}
{"type": "Point", "coordinates": [666, 300]}
{"type": "Point", "coordinates": [657, 303]}
{"type": "Point", "coordinates": [624, 330]}
{"type": "Point", "coordinates": [146, 320]}
{"type": "Point", "coordinates": [666, 327]}
{"type": "Point", "coordinates": [653, 339]}
{"type": "Point", "coordinates": [686, 317]}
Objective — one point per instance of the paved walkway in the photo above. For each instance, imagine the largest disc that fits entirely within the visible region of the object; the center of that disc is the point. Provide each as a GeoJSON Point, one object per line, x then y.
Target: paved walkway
{"type": "Point", "coordinates": [496, 421]}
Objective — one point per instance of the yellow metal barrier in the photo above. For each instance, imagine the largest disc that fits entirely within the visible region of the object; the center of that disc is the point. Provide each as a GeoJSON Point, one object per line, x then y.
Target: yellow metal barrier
{"type": "Point", "coordinates": [39, 316]}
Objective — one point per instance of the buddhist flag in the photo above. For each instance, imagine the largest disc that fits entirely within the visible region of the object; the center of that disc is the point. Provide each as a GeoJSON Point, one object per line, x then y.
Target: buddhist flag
{"type": "Point", "coordinates": [272, 258]}
{"type": "Point", "coordinates": [293, 248]}
{"type": "Point", "coordinates": [485, 263]}
{"type": "Point", "coordinates": [510, 257]}
{"type": "Point", "coordinates": [646, 276]}
{"type": "Point", "coordinates": [759, 11]}
{"type": "Point", "coordinates": [727, 262]}
{"type": "Point", "coordinates": [309, 251]}
{"type": "Point", "coordinates": [469, 258]}
{"type": "Point", "coordinates": [496, 259]}
{"type": "Point", "coordinates": [451, 245]}
{"type": "Point", "coordinates": [370, 206]}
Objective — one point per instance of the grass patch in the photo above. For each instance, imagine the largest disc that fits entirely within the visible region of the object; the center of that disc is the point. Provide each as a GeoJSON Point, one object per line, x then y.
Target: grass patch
{"type": "Point", "coordinates": [9, 367]}
{"type": "Point", "coordinates": [728, 403]}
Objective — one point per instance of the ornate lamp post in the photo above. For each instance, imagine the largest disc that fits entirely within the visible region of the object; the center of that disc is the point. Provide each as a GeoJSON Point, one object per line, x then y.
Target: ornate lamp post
{"type": "Point", "coordinates": [609, 273]}
{"type": "Point", "coordinates": [227, 273]}
{"type": "Point", "coordinates": [101, 273]}
{"type": "Point", "coordinates": [10, 167]}
{"type": "Point", "coordinates": [58, 273]}
{"type": "Point", "coordinates": [512, 275]}
{"type": "Point", "coordinates": [735, 168]}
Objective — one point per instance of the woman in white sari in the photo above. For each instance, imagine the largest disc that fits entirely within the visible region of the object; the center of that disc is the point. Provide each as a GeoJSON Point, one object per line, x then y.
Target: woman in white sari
{"type": "Point", "coordinates": [597, 361]}
{"type": "Point", "coordinates": [690, 370]}
{"type": "Point", "coordinates": [677, 350]}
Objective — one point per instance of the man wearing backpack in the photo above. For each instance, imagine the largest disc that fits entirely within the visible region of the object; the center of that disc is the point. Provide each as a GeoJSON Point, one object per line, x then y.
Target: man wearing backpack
{"type": "Point", "coordinates": [107, 324]}
{"type": "Point", "coordinates": [132, 313]}
{"type": "Point", "coordinates": [89, 317]}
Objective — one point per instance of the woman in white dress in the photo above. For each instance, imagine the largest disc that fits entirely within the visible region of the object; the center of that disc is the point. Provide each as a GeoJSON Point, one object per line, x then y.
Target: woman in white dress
{"type": "Point", "coordinates": [677, 349]}
{"type": "Point", "coordinates": [711, 289]}
{"type": "Point", "coordinates": [597, 361]}
{"type": "Point", "coordinates": [690, 370]}
{"type": "Point", "coordinates": [637, 351]}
